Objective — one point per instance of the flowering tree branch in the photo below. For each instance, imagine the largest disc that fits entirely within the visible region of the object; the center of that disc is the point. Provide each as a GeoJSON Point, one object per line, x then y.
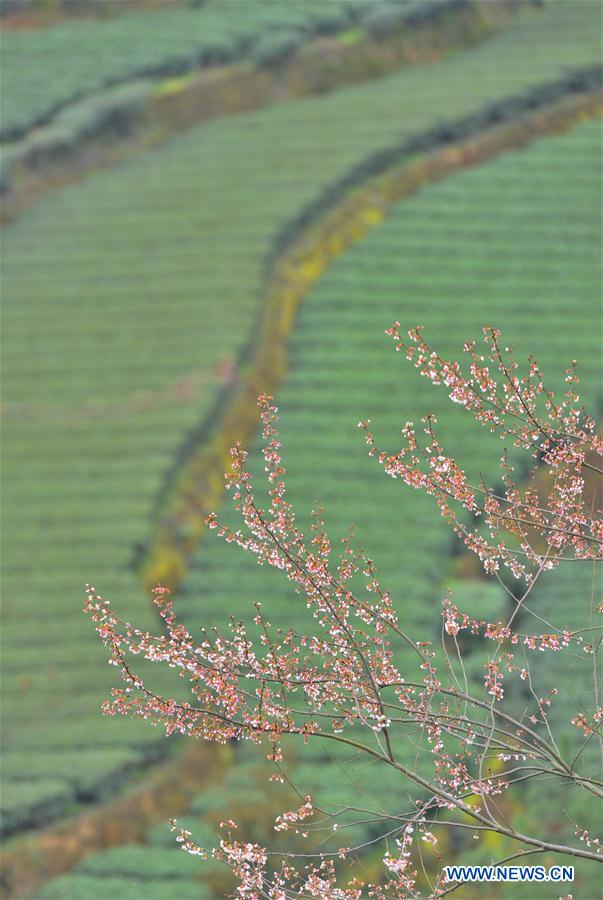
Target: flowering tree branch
{"type": "Point", "coordinates": [341, 680]}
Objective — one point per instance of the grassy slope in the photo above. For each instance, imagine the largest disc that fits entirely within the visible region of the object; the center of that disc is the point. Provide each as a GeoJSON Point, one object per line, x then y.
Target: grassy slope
{"type": "Point", "coordinates": [125, 298]}
{"type": "Point", "coordinates": [163, 41]}
{"type": "Point", "coordinates": [492, 244]}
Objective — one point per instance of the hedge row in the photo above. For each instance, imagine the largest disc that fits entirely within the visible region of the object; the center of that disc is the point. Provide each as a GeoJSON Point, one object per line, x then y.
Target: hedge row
{"type": "Point", "coordinates": [45, 70]}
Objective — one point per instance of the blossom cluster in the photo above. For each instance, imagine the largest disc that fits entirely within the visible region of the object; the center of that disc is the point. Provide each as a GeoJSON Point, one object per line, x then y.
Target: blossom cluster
{"type": "Point", "coordinates": [524, 413]}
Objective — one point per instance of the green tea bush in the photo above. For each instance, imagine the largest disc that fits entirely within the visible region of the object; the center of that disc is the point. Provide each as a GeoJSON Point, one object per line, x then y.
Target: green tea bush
{"type": "Point", "coordinates": [142, 863]}
{"type": "Point", "coordinates": [272, 49]}
{"type": "Point", "coordinates": [31, 804]}
{"type": "Point", "coordinates": [84, 887]}
{"type": "Point", "coordinates": [385, 20]}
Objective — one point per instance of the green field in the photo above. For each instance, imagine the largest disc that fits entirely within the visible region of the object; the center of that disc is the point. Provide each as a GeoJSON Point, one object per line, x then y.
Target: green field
{"type": "Point", "coordinates": [423, 264]}
{"type": "Point", "coordinates": [514, 243]}
{"type": "Point", "coordinates": [491, 245]}
{"type": "Point", "coordinates": [128, 298]}
{"type": "Point", "coordinates": [163, 42]}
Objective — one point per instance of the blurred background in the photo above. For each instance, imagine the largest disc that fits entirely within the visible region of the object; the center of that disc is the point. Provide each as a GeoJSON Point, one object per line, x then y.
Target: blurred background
{"type": "Point", "coordinates": [206, 199]}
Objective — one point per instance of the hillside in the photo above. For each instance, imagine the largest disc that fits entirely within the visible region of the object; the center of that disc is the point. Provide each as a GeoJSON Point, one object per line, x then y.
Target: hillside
{"type": "Point", "coordinates": [490, 245]}
{"type": "Point", "coordinates": [131, 300]}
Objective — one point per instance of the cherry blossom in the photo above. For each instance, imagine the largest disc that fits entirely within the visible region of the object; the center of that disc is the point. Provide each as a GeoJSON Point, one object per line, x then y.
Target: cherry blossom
{"type": "Point", "coordinates": [340, 679]}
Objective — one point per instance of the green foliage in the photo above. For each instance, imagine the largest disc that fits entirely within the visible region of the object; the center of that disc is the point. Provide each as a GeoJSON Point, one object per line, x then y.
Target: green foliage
{"type": "Point", "coordinates": [331, 18]}
{"type": "Point", "coordinates": [84, 733]}
{"type": "Point", "coordinates": [109, 111]}
{"type": "Point", "coordinates": [48, 68]}
{"type": "Point", "coordinates": [142, 862]}
{"type": "Point", "coordinates": [241, 781]}
{"type": "Point", "coordinates": [163, 836]}
{"type": "Point", "coordinates": [84, 887]}
{"type": "Point", "coordinates": [93, 773]}
{"type": "Point", "coordinates": [272, 49]}
{"type": "Point", "coordinates": [31, 804]}
{"type": "Point", "coordinates": [385, 19]}
{"type": "Point", "coordinates": [351, 36]}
